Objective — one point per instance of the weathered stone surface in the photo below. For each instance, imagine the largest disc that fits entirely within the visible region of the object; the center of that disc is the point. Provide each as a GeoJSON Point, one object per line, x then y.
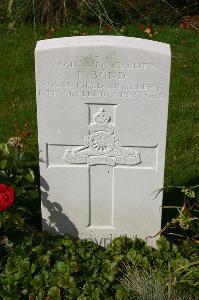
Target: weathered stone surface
{"type": "Point", "coordinates": [102, 105]}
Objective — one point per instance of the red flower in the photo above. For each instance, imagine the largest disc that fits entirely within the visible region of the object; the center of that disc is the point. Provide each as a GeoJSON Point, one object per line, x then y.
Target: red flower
{"type": "Point", "coordinates": [7, 195]}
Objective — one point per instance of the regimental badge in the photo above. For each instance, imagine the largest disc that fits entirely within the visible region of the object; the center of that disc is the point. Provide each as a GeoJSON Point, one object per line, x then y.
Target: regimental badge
{"type": "Point", "coordinates": [103, 147]}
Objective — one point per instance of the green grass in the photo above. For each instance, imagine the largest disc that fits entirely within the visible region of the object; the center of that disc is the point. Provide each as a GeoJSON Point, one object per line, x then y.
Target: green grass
{"type": "Point", "coordinates": [17, 90]}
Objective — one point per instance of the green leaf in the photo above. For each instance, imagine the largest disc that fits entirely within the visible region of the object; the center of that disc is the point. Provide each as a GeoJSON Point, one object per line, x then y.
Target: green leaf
{"type": "Point", "coordinates": [26, 159]}
{"type": "Point", "coordinates": [23, 266]}
{"type": "Point", "coordinates": [10, 267]}
{"type": "Point", "coordinates": [61, 267]}
{"type": "Point", "coordinates": [40, 295]}
{"type": "Point", "coordinates": [3, 175]}
{"type": "Point", "coordinates": [63, 282]}
{"type": "Point", "coordinates": [121, 294]}
{"type": "Point", "coordinates": [163, 244]}
{"type": "Point", "coordinates": [3, 164]}
{"type": "Point", "coordinates": [34, 194]}
{"type": "Point", "coordinates": [37, 282]}
{"type": "Point", "coordinates": [82, 297]}
{"type": "Point", "coordinates": [54, 293]}
{"type": "Point", "coordinates": [73, 292]}
{"type": "Point", "coordinates": [30, 176]}
{"type": "Point", "coordinates": [8, 295]}
{"type": "Point", "coordinates": [4, 152]}
{"type": "Point", "coordinates": [33, 268]}
{"type": "Point", "coordinates": [75, 32]}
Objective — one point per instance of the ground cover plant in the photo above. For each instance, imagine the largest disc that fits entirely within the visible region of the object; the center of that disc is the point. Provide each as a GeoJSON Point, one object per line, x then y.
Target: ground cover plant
{"type": "Point", "coordinates": [36, 265]}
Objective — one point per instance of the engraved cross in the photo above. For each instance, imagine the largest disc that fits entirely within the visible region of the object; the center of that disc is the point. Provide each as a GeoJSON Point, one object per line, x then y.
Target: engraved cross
{"type": "Point", "coordinates": [102, 153]}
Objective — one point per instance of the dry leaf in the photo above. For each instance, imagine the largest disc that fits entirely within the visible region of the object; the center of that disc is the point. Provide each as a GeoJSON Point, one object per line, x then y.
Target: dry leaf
{"type": "Point", "coordinates": [122, 29]}
{"type": "Point", "coordinates": [141, 27]}
{"type": "Point", "coordinates": [109, 27]}
{"type": "Point", "coordinates": [149, 31]}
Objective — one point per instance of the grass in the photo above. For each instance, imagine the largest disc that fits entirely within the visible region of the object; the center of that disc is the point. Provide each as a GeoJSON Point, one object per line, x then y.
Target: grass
{"type": "Point", "coordinates": [146, 285]}
{"type": "Point", "coordinates": [17, 90]}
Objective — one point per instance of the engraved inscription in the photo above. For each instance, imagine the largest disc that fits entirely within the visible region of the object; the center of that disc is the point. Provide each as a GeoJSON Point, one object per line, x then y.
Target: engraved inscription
{"type": "Point", "coordinates": [93, 63]}
{"type": "Point", "coordinates": [48, 93]}
{"type": "Point", "coordinates": [94, 78]}
{"type": "Point", "coordinates": [103, 147]}
{"type": "Point", "coordinates": [110, 89]}
{"type": "Point", "coordinates": [103, 75]}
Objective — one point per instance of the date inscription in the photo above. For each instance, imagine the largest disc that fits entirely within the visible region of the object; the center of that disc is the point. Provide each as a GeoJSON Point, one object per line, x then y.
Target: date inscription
{"type": "Point", "coordinates": [102, 89]}
{"type": "Point", "coordinates": [103, 79]}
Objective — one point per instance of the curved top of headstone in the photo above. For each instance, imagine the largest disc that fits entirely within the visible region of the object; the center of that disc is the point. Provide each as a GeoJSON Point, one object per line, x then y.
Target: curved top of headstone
{"type": "Point", "coordinates": [103, 40]}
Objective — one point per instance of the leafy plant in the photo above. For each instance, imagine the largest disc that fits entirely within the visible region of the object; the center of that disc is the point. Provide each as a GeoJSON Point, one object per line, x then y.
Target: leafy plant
{"type": "Point", "coordinates": [37, 265]}
{"type": "Point", "coordinates": [16, 170]}
{"type": "Point", "coordinates": [43, 265]}
{"type": "Point", "coordinates": [185, 225]}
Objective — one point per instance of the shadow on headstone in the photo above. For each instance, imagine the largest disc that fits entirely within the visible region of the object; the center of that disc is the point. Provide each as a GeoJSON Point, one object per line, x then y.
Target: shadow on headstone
{"type": "Point", "coordinates": [58, 223]}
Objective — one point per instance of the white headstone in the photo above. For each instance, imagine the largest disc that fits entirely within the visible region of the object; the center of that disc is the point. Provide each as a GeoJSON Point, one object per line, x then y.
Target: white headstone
{"type": "Point", "coordinates": [102, 105]}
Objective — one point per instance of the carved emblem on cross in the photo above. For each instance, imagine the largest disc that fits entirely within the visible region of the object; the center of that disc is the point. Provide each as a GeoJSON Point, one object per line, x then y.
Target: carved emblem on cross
{"type": "Point", "coordinates": [103, 147]}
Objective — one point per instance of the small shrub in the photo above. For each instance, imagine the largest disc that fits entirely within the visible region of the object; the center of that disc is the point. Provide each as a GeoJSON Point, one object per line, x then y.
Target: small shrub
{"type": "Point", "coordinates": [43, 265]}
{"type": "Point", "coordinates": [54, 13]}
{"type": "Point", "coordinates": [17, 170]}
